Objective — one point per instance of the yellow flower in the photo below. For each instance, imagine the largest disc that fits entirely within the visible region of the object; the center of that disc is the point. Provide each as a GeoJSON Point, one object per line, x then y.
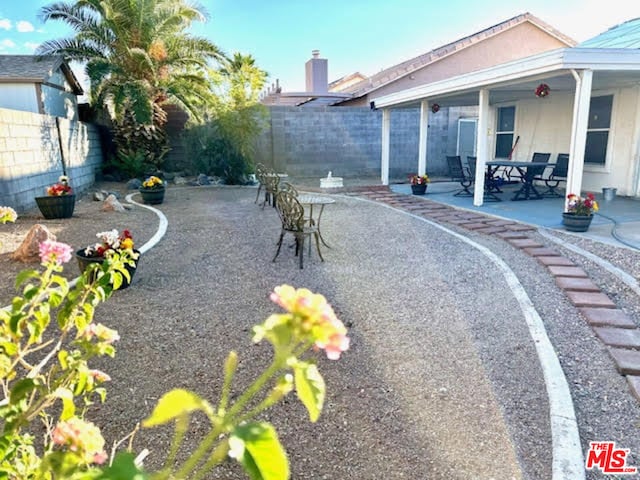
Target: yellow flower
{"type": "Point", "coordinates": [127, 243]}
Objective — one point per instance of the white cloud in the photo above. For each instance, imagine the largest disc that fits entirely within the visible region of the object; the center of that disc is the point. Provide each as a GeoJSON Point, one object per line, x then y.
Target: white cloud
{"type": "Point", "coordinates": [24, 26]}
{"type": "Point", "coordinates": [7, 43]}
{"type": "Point", "coordinates": [5, 24]}
{"type": "Point", "coordinates": [31, 45]}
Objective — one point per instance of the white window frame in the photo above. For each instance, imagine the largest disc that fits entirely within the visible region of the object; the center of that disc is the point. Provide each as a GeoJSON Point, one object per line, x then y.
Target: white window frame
{"type": "Point", "coordinates": [498, 132]}
{"type": "Point", "coordinates": [606, 167]}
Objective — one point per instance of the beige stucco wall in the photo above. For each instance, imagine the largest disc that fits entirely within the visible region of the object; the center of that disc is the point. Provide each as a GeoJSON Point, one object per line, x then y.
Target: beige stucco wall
{"type": "Point", "coordinates": [544, 125]}
{"type": "Point", "coordinates": [518, 42]}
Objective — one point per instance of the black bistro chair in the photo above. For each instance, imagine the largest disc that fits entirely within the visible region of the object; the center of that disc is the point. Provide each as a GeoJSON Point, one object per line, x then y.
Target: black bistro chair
{"type": "Point", "coordinates": [491, 185]}
{"type": "Point", "coordinates": [558, 175]}
{"type": "Point", "coordinates": [293, 221]}
{"type": "Point", "coordinates": [459, 173]}
{"type": "Point", "coordinates": [538, 172]}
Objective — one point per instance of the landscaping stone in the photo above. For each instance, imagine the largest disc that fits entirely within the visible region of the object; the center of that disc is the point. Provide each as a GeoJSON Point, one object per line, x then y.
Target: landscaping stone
{"type": "Point", "coordinates": [203, 179]}
{"type": "Point", "coordinates": [590, 299]}
{"type": "Point", "coordinates": [541, 252]}
{"type": "Point", "coordinates": [577, 284]}
{"type": "Point", "coordinates": [627, 361]}
{"type": "Point", "coordinates": [634, 385]}
{"type": "Point", "coordinates": [607, 317]}
{"type": "Point", "coordinates": [111, 204]}
{"type": "Point", "coordinates": [555, 260]}
{"type": "Point", "coordinates": [29, 249]}
{"type": "Point", "coordinates": [619, 337]}
{"type": "Point", "coordinates": [561, 271]}
{"type": "Point", "coordinates": [524, 243]}
{"type": "Point", "coordinates": [134, 184]}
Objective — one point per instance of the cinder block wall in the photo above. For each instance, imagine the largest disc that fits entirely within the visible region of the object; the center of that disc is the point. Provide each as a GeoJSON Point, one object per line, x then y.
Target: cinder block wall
{"type": "Point", "coordinates": [311, 141]}
{"type": "Point", "coordinates": [31, 157]}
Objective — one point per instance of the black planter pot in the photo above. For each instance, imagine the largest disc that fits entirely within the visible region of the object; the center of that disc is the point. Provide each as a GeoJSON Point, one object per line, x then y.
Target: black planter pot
{"type": "Point", "coordinates": [59, 206]}
{"type": "Point", "coordinates": [84, 262]}
{"type": "Point", "coordinates": [576, 223]}
{"type": "Point", "coordinates": [419, 189]}
{"type": "Point", "coordinates": [152, 196]}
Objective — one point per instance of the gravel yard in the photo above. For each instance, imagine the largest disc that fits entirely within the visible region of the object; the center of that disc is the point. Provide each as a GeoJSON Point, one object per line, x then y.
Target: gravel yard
{"type": "Point", "coordinates": [442, 379]}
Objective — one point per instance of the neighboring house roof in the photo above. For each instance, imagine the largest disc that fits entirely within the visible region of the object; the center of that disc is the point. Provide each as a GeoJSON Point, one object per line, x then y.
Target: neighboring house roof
{"type": "Point", "coordinates": [405, 68]}
{"type": "Point", "coordinates": [625, 35]}
{"type": "Point", "coordinates": [32, 69]}
{"type": "Point", "coordinates": [342, 84]}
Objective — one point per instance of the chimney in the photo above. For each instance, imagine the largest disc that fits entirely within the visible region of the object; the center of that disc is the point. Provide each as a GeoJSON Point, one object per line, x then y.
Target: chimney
{"type": "Point", "coordinates": [317, 75]}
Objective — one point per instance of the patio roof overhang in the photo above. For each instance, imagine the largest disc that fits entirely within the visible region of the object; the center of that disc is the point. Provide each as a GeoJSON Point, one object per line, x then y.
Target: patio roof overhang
{"type": "Point", "coordinates": [612, 68]}
{"type": "Point", "coordinates": [577, 71]}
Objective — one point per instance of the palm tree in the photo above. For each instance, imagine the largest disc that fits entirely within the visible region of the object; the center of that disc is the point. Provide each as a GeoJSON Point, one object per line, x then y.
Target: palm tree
{"type": "Point", "coordinates": [137, 54]}
{"type": "Point", "coordinates": [244, 78]}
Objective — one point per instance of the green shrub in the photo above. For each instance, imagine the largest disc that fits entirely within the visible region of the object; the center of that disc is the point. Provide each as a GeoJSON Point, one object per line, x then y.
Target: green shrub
{"type": "Point", "coordinates": [209, 150]}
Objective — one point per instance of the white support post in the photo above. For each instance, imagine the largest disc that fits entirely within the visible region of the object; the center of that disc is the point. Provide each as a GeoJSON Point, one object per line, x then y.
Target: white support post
{"type": "Point", "coordinates": [581, 102]}
{"type": "Point", "coordinates": [422, 141]}
{"type": "Point", "coordinates": [386, 135]}
{"type": "Point", "coordinates": [482, 146]}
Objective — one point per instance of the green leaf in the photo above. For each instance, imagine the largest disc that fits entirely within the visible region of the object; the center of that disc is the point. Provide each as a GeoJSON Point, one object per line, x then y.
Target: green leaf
{"type": "Point", "coordinates": [68, 407]}
{"type": "Point", "coordinates": [123, 468]}
{"type": "Point", "coordinates": [22, 389]}
{"type": "Point", "coordinates": [310, 388]}
{"type": "Point", "coordinates": [257, 448]}
{"type": "Point", "coordinates": [174, 404]}
{"type": "Point", "coordinates": [25, 275]}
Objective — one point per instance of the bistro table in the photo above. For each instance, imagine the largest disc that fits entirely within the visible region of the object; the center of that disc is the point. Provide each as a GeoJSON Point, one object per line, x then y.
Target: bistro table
{"type": "Point", "coordinates": [316, 200]}
{"type": "Point", "coordinates": [528, 190]}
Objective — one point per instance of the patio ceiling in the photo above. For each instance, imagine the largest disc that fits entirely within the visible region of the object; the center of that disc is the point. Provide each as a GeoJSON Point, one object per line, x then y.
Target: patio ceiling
{"type": "Point", "coordinates": [516, 80]}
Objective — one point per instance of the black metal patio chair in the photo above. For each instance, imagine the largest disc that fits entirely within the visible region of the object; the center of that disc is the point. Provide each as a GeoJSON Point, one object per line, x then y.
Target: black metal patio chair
{"type": "Point", "coordinates": [459, 173]}
{"type": "Point", "coordinates": [291, 214]}
{"type": "Point", "coordinates": [557, 175]}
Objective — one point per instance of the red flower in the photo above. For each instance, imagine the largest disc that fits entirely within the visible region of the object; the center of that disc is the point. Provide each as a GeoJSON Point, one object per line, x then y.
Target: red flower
{"type": "Point", "coordinates": [542, 90]}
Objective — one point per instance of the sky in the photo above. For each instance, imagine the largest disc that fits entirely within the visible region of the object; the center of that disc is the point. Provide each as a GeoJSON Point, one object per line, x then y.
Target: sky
{"type": "Point", "coordinates": [354, 35]}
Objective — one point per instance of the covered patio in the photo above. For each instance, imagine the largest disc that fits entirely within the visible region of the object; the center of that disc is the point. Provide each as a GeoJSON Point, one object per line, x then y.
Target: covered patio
{"type": "Point", "coordinates": [560, 122]}
{"type": "Point", "coordinates": [617, 222]}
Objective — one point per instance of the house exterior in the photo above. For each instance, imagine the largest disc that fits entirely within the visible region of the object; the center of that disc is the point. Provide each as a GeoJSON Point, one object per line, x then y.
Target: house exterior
{"type": "Point", "coordinates": [592, 111]}
{"type": "Point", "coordinates": [452, 131]}
{"type": "Point", "coordinates": [517, 37]}
{"type": "Point", "coordinates": [46, 86]}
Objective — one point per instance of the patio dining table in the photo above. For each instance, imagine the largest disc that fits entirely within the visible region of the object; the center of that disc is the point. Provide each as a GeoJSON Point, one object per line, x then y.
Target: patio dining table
{"type": "Point", "coordinates": [528, 190]}
{"type": "Point", "coordinates": [317, 201]}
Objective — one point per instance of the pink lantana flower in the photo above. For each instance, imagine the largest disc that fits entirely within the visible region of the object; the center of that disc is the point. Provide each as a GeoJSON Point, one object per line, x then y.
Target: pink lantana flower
{"type": "Point", "coordinates": [312, 317]}
{"type": "Point", "coordinates": [57, 252]}
{"type": "Point", "coordinates": [99, 331]}
{"type": "Point", "coordinates": [99, 376]}
{"type": "Point", "coordinates": [81, 437]}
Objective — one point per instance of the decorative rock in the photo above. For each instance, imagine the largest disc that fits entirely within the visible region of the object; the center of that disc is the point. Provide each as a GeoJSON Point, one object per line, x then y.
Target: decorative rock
{"type": "Point", "coordinates": [111, 204]}
{"type": "Point", "coordinates": [28, 251]}
{"type": "Point", "coordinates": [178, 180]}
{"type": "Point", "coordinates": [134, 184]}
{"type": "Point", "coordinates": [203, 179]}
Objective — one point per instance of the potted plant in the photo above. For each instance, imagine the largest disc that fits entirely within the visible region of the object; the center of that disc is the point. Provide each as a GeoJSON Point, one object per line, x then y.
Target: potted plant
{"type": "Point", "coordinates": [115, 246]}
{"type": "Point", "coordinates": [59, 201]}
{"type": "Point", "coordinates": [419, 184]}
{"type": "Point", "coordinates": [152, 190]}
{"type": "Point", "coordinates": [579, 212]}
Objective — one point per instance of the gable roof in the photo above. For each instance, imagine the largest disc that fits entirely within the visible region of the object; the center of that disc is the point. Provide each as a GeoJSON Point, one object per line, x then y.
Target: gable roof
{"type": "Point", "coordinates": [32, 69]}
{"type": "Point", "coordinates": [407, 67]}
{"type": "Point", "coordinates": [624, 35]}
